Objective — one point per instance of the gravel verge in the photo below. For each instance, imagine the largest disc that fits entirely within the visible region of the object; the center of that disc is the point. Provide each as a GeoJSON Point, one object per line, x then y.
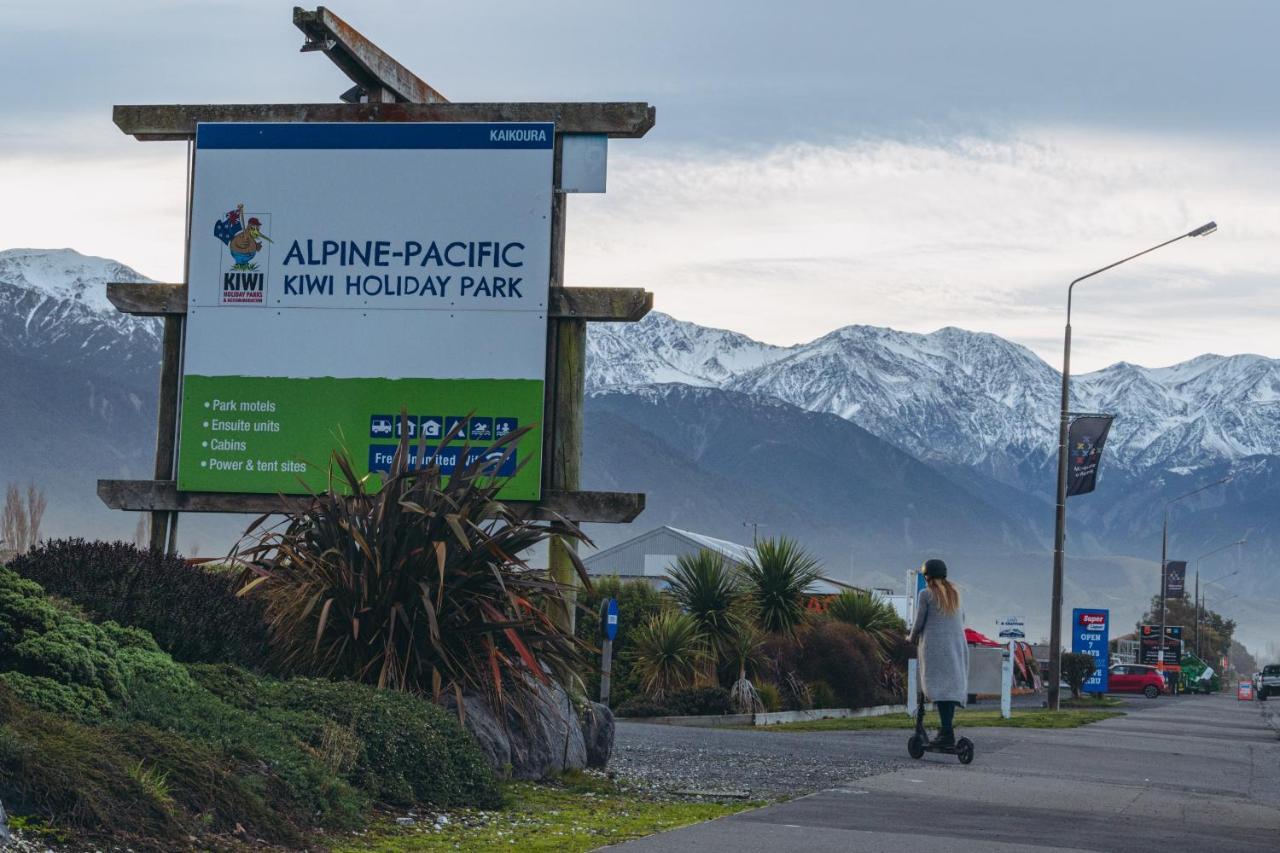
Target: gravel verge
{"type": "Point", "coordinates": [758, 764]}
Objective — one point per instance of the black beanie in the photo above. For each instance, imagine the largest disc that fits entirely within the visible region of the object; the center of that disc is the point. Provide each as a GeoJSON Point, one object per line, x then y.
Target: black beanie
{"type": "Point", "coordinates": [935, 569]}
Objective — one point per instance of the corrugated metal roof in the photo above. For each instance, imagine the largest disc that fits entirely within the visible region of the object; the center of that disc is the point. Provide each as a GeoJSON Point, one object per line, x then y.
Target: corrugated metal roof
{"type": "Point", "coordinates": [732, 550]}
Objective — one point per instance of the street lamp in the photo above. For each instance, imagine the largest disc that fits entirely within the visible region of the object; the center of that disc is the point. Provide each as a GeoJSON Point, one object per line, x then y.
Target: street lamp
{"type": "Point", "coordinates": [1164, 559]}
{"type": "Point", "coordinates": [1060, 519]}
{"type": "Point", "coordinates": [1239, 542]}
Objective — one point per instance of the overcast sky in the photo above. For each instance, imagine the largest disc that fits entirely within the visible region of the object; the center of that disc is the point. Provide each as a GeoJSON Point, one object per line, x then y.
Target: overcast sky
{"type": "Point", "coordinates": [815, 164]}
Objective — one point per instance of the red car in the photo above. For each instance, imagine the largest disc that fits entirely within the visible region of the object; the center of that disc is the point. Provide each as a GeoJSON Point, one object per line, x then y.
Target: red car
{"type": "Point", "coordinates": [1136, 678]}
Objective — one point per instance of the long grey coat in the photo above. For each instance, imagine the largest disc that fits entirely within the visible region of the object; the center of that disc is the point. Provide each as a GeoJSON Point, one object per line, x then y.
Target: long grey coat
{"type": "Point", "coordinates": [942, 650]}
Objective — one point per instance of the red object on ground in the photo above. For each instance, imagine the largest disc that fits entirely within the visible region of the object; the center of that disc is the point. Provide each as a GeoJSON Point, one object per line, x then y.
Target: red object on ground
{"type": "Point", "coordinates": [1136, 678]}
{"type": "Point", "coordinates": [1244, 690]}
{"type": "Point", "coordinates": [973, 638]}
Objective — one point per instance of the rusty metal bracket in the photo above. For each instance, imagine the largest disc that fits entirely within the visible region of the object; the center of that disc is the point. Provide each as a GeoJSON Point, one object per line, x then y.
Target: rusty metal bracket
{"type": "Point", "coordinates": [378, 77]}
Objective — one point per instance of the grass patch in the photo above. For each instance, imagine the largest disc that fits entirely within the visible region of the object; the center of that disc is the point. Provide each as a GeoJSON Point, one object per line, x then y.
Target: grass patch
{"type": "Point", "coordinates": [1025, 719]}
{"type": "Point", "coordinates": [580, 812]}
{"type": "Point", "coordinates": [1090, 702]}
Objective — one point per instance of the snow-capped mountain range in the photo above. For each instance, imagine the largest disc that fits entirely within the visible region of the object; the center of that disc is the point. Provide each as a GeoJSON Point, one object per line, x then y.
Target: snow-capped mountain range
{"type": "Point", "coordinates": [53, 305]}
{"type": "Point", "coordinates": [964, 397]}
{"type": "Point", "coordinates": [870, 445]}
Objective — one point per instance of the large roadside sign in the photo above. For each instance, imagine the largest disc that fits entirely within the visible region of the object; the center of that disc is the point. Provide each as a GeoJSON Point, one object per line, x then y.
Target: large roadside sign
{"type": "Point", "coordinates": [350, 282]}
{"type": "Point", "coordinates": [1149, 639]}
{"type": "Point", "coordinates": [1089, 633]}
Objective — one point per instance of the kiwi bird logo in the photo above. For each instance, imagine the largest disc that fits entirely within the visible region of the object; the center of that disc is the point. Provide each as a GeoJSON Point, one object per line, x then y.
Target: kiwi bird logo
{"type": "Point", "coordinates": [241, 237]}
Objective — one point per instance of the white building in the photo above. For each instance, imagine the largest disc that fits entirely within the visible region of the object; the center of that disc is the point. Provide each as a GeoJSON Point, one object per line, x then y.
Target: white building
{"type": "Point", "coordinates": [650, 556]}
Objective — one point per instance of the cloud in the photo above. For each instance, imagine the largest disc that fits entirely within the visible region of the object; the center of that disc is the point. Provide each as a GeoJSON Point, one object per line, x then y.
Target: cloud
{"type": "Point", "coordinates": [977, 232]}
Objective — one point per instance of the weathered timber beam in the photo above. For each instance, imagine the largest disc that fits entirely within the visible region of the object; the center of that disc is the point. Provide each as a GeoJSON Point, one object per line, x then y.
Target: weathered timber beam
{"type": "Point", "coordinates": [163, 495]}
{"type": "Point", "coordinates": [147, 299]}
{"type": "Point", "coordinates": [368, 66]}
{"type": "Point", "coordinates": [601, 304]}
{"type": "Point", "coordinates": [596, 304]}
{"type": "Point", "coordinates": [619, 119]}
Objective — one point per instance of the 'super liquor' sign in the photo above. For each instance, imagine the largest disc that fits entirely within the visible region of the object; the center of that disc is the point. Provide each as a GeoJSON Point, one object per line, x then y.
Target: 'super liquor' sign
{"type": "Point", "coordinates": [1090, 630]}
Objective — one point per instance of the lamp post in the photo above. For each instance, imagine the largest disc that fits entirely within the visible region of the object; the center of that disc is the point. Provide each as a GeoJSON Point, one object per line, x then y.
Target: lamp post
{"type": "Point", "coordinates": [1239, 542]}
{"type": "Point", "coordinates": [1164, 560]}
{"type": "Point", "coordinates": [1060, 517]}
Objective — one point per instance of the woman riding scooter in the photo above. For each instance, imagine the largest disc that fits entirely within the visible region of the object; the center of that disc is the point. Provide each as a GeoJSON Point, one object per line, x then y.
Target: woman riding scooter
{"type": "Point", "coordinates": [942, 650]}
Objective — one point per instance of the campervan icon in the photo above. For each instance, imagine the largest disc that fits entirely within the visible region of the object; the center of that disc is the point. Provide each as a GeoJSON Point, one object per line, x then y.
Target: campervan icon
{"type": "Point", "coordinates": [380, 425]}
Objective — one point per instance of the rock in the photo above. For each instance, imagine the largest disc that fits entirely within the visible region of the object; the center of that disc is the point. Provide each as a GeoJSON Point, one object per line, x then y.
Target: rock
{"type": "Point", "coordinates": [531, 743]}
{"type": "Point", "coordinates": [5, 837]}
{"type": "Point", "coordinates": [597, 733]}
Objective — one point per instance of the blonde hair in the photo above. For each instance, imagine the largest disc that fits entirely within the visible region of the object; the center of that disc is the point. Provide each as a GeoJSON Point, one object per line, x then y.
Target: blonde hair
{"type": "Point", "coordinates": [945, 595]}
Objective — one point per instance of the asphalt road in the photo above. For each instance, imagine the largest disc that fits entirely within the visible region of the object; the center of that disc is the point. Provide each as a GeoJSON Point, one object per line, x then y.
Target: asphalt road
{"type": "Point", "coordinates": [1193, 773]}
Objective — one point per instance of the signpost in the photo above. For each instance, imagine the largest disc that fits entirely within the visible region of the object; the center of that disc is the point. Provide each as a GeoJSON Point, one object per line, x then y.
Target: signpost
{"type": "Point", "coordinates": [609, 627]}
{"type": "Point", "coordinates": [1011, 629]}
{"type": "Point", "coordinates": [505, 188]}
{"type": "Point", "coordinates": [1089, 632]}
{"type": "Point", "coordinates": [1244, 690]}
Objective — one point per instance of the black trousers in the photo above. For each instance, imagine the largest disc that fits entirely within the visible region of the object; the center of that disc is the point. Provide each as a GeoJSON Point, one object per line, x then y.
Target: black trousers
{"type": "Point", "coordinates": [947, 711]}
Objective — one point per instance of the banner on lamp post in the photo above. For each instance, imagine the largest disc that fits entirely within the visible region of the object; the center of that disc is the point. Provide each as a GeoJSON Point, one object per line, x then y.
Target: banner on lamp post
{"type": "Point", "coordinates": [1086, 437]}
{"type": "Point", "coordinates": [1175, 579]}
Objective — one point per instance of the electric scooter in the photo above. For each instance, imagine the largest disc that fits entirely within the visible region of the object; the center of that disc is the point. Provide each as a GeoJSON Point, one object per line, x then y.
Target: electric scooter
{"type": "Point", "coordinates": [920, 742]}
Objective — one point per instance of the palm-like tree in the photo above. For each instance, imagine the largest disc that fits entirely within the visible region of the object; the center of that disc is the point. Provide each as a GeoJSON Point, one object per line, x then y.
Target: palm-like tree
{"type": "Point", "coordinates": [668, 652]}
{"type": "Point", "coordinates": [872, 615]}
{"type": "Point", "coordinates": [777, 577]}
{"type": "Point", "coordinates": [708, 588]}
{"type": "Point", "coordinates": [744, 649]}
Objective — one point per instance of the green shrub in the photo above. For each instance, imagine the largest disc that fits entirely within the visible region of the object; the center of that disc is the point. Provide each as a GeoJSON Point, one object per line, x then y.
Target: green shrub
{"type": "Point", "coordinates": [411, 582]}
{"type": "Point", "coordinates": [1076, 669]}
{"type": "Point", "coordinates": [770, 696]}
{"type": "Point", "coordinates": [194, 615]}
{"type": "Point", "coordinates": [641, 707]}
{"type": "Point", "coordinates": [843, 656]}
{"type": "Point", "coordinates": [669, 653]}
{"type": "Point", "coordinates": [700, 701]}
{"type": "Point", "coordinates": [823, 695]}
{"type": "Point", "coordinates": [299, 753]}
{"type": "Point", "coordinates": [871, 614]}
{"type": "Point", "coordinates": [777, 578]}
{"type": "Point", "coordinates": [401, 749]}
{"type": "Point", "coordinates": [101, 781]}
{"type": "Point", "coordinates": [710, 589]}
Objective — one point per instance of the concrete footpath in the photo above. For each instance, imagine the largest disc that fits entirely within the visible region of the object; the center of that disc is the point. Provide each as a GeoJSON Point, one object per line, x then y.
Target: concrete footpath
{"type": "Point", "coordinates": [1188, 773]}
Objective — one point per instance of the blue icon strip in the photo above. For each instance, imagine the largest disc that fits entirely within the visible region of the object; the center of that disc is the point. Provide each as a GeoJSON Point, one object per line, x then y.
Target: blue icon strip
{"type": "Point", "coordinates": [446, 458]}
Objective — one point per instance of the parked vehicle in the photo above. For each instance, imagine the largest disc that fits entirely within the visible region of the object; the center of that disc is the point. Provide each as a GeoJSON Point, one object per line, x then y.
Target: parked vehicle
{"type": "Point", "coordinates": [1136, 678]}
{"type": "Point", "coordinates": [1269, 683]}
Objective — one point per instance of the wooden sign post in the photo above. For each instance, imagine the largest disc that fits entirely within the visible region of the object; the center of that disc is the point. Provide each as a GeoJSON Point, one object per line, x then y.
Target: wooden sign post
{"type": "Point", "coordinates": [386, 91]}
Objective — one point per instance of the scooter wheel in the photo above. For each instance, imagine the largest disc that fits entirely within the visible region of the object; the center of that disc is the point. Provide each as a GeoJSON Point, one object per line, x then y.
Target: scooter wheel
{"type": "Point", "coordinates": [915, 747]}
{"type": "Point", "coordinates": [964, 750]}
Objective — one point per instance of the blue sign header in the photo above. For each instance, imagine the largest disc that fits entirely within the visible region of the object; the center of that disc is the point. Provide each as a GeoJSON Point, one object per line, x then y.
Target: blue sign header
{"type": "Point", "coordinates": [375, 135]}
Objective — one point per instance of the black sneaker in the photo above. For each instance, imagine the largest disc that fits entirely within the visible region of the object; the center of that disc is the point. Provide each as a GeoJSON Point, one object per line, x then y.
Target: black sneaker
{"type": "Point", "coordinates": [945, 739]}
